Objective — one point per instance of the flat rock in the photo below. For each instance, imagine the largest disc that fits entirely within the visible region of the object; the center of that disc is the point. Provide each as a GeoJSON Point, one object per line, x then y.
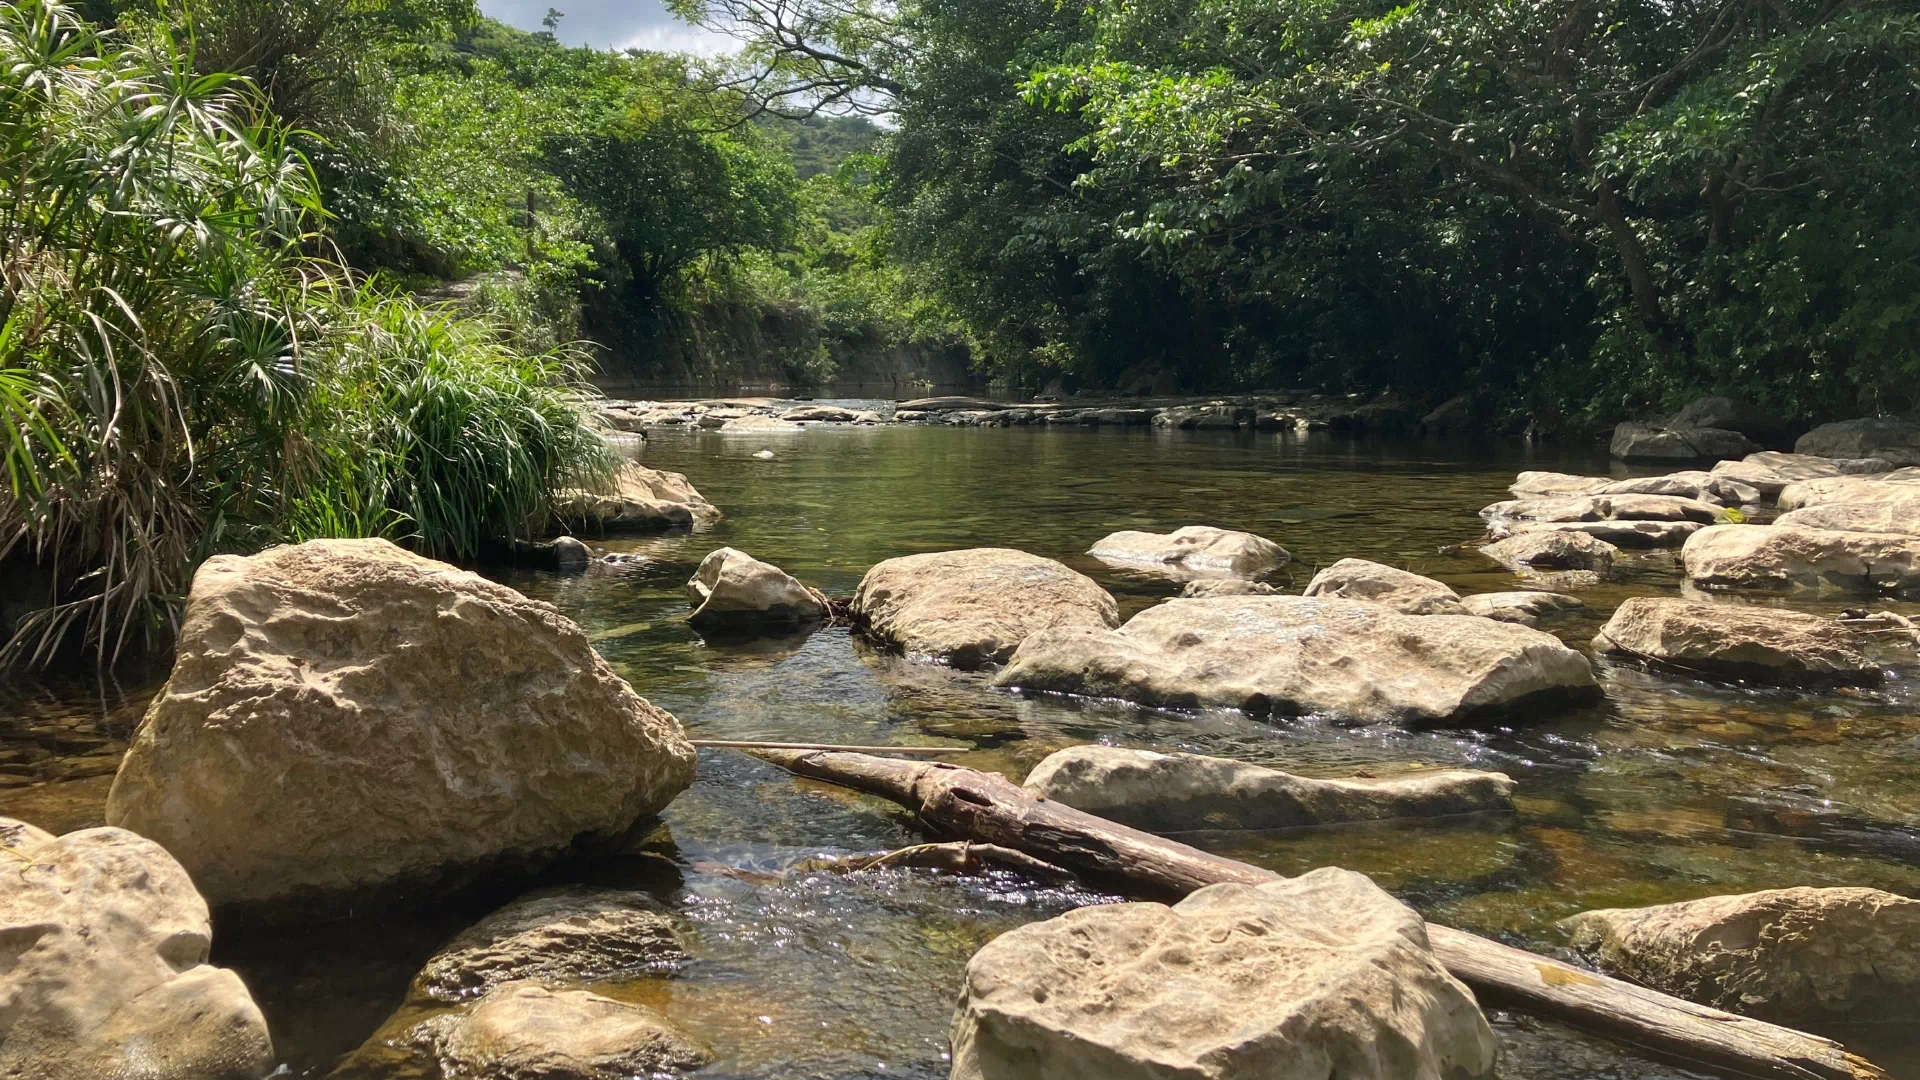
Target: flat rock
{"type": "Point", "coordinates": [820, 414]}
{"type": "Point", "coordinates": [1526, 607]}
{"type": "Point", "coordinates": [1552, 550]}
{"type": "Point", "coordinates": [345, 716]}
{"type": "Point", "coordinates": [732, 590]}
{"type": "Point", "coordinates": [1324, 975]}
{"type": "Point", "coordinates": [1557, 484]}
{"type": "Point", "coordinates": [1659, 442]}
{"type": "Point", "coordinates": [1199, 549]}
{"type": "Point", "coordinates": [1178, 792]}
{"type": "Point", "coordinates": [640, 500]}
{"type": "Point", "coordinates": [1739, 640]}
{"type": "Point", "coordinates": [1900, 485]}
{"type": "Point", "coordinates": [950, 403]}
{"type": "Point", "coordinates": [1402, 590]}
{"type": "Point", "coordinates": [759, 423]}
{"type": "Point", "coordinates": [559, 936]}
{"type": "Point", "coordinates": [1213, 417]}
{"type": "Point", "coordinates": [1902, 516]}
{"type": "Point", "coordinates": [1771, 470]}
{"type": "Point", "coordinates": [106, 971]}
{"type": "Point", "coordinates": [974, 606]}
{"type": "Point", "coordinates": [1783, 954]}
{"type": "Point", "coordinates": [1358, 660]}
{"type": "Point", "coordinates": [524, 1031]}
{"type": "Point", "coordinates": [1694, 484]}
{"type": "Point", "coordinates": [1605, 508]}
{"type": "Point", "coordinates": [1792, 556]}
{"type": "Point", "coordinates": [1226, 587]}
{"type": "Point", "coordinates": [1897, 441]}
{"type": "Point", "coordinates": [1635, 535]}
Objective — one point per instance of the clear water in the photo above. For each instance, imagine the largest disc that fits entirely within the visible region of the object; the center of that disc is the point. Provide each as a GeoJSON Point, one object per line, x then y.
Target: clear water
{"type": "Point", "coordinates": [1671, 790]}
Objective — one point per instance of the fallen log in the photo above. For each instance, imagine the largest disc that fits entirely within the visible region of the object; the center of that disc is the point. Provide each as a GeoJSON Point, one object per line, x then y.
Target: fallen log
{"type": "Point", "coordinates": [985, 807]}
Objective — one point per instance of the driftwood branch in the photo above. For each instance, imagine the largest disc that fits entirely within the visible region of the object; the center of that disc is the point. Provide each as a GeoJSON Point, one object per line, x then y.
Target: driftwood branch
{"type": "Point", "coordinates": [965, 803]}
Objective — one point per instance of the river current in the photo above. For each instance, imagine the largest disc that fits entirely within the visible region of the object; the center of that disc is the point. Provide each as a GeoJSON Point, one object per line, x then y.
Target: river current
{"type": "Point", "coordinates": [1672, 789]}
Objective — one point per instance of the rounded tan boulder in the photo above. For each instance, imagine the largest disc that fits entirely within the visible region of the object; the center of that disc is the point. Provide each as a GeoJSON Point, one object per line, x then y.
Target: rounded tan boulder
{"type": "Point", "coordinates": [976, 605]}
{"type": "Point", "coordinates": [1402, 590]}
{"type": "Point", "coordinates": [1194, 549]}
{"type": "Point", "coordinates": [1796, 557]}
{"type": "Point", "coordinates": [734, 591]}
{"type": "Point", "coordinates": [1736, 640]}
{"type": "Point", "coordinates": [345, 716]}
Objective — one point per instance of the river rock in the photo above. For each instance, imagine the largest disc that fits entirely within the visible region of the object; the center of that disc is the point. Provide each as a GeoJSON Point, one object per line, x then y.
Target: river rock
{"type": "Point", "coordinates": [105, 966]}
{"type": "Point", "coordinates": [1739, 640]}
{"type": "Point", "coordinates": [344, 715]}
{"type": "Point", "coordinates": [1658, 442]}
{"type": "Point", "coordinates": [559, 936]}
{"type": "Point", "coordinates": [1526, 608]}
{"type": "Point", "coordinates": [1898, 441]}
{"type": "Point", "coordinates": [1359, 660]}
{"type": "Point", "coordinates": [1552, 549]}
{"type": "Point", "coordinates": [1605, 508]}
{"type": "Point", "coordinates": [1637, 535]}
{"type": "Point", "coordinates": [948, 404]}
{"type": "Point", "coordinates": [974, 606]}
{"type": "Point", "coordinates": [1902, 516]}
{"type": "Point", "coordinates": [1770, 470]}
{"type": "Point", "coordinates": [734, 590]}
{"type": "Point", "coordinates": [1194, 549]}
{"type": "Point", "coordinates": [1324, 975]}
{"type": "Point", "coordinates": [1791, 556]}
{"type": "Point", "coordinates": [1214, 417]}
{"type": "Point", "coordinates": [1226, 587]}
{"type": "Point", "coordinates": [525, 1031]}
{"type": "Point", "coordinates": [1557, 484]}
{"type": "Point", "coordinates": [820, 414]}
{"type": "Point", "coordinates": [1733, 414]}
{"type": "Point", "coordinates": [1358, 579]}
{"type": "Point", "coordinates": [1900, 485]}
{"type": "Point", "coordinates": [759, 423]}
{"type": "Point", "coordinates": [1694, 484]}
{"type": "Point", "coordinates": [1177, 792]}
{"type": "Point", "coordinates": [642, 499]}
{"type": "Point", "coordinates": [1783, 954]}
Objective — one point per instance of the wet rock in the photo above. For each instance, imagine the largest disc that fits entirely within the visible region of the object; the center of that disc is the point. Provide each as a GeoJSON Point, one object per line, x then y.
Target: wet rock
{"type": "Point", "coordinates": [1226, 587]}
{"type": "Point", "coordinates": [1790, 556]}
{"type": "Point", "coordinates": [1358, 660]}
{"type": "Point", "coordinates": [1193, 549]}
{"type": "Point", "coordinates": [1358, 579]}
{"type": "Point", "coordinates": [1323, 975]}
{"type": "Point", "coordinates": [1213, 417]}
{"type": "Point", "coordinates": [760, 423]}
{"type": "Point", "coordinates": [1658, 442]}
{"type": "Point", "coordinates": [949, 404]}
{"type": "Point", "coordinates": [344, 715]}
{"type": "Point", "coordinates": [1635, 535]}
{"type": "Point", "coordinates": [1900, 485]}
{"type": "Point", "coordinates": [1738, 640]}
{"type": "Point", "coordinates": [1176, 792]}
{"type": "Point", "coordinates": [763, 455]}
{"type": "Point", "coordinates": [820, 414]}
{"type": "Point", "coordinates": [909, 416]}
{"type": "Point", "coordinates": [733, 590]}
{"type": "Point", "coordinates": [1769, 470]}
{"type": "Point", "coordinates": [1116, 417]}
{"type": "Point", "coordinates": [974, 606]}
{"type": "Point", "coordinates": [1783, 954]}
{"type": "Point", "coordinates": [1605, 508]}
{"type": "Point", "coordinates": [1898, 441]}
{"type": "Point", "coordinates": [106, 971]}
{"type": "Point", "coordinates": [1526, 608]}
{"type": "Point", "coordinates": [1733, 414]}
{"type": "Point", "coordinates": [1695, 484]}
{"type": "Point", "coordinates": [562, 553]}
{"type": "Point", "coordinates": [1552, 549]}
{"type": "Point", "coordinates": [1902, 516]}
{"type": "Point", "coordinates": [568, 935]}
{"type": "Point", "coordinates": [1557, 484]}
{"type": "Point", "coordinates": [524, 1031]}
{"type": "Point", "coordinates": [642, 499]}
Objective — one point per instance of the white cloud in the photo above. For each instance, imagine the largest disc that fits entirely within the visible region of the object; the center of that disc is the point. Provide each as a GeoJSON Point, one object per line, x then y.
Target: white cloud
{"type": "Point", "coordinates": [678, 37]}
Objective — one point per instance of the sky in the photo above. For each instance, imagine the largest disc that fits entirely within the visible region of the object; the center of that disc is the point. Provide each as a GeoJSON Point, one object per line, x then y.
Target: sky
{"type": "Point", "coordinates": [618, 24]}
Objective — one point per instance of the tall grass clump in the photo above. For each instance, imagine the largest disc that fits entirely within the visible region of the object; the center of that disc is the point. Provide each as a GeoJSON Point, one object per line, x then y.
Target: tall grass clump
{"type": "Point", "coordinates": [180, 376]}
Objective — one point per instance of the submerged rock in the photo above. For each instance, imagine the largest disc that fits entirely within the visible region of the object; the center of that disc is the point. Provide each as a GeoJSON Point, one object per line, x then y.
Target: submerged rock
{"type": "Point", "coordinates": [1637, 535]}
{"type": "Point", "coordinates": [1604, 508]}
{"type": "Point", "coordinates": [1402, 590]}
{"type": "Point", "coordinates": [344, 716]}
{"type": "Point", "coordinates": [1525, 608]}
{"type": "Point", "coordinates": [1901, 516]}
{"type": "Point", "coordinates": [732, 590]}
{"type": "Point", "coordinates": [1791, 556]}
{"type": "Point", "coordinates": [1175, 792]}
{"type": "Point", "coordinates": [560, 936]}
{"type": "Point", "coordinates": [106, 971]}
{"type": "Point", "coordinates": [1659, 442]}
{"type": "Point", "coordinates": [1319, 976]}
{"type": "Point", "coordinates": [1359, 660]}
{"type": "Point", "coordinates": [1226, 587]}
{"type": "Point", "coordinates": [1897, 441]}
{"type": "Point", "coordinates": [1194, 549]}
{"type": "Point", "coordinates": [974, 606]}
{"type": "Point", "coordinates": [1552, 549]}
{"type": "Point", "coordinates": [1783, 954]}
{"type": "Point", "coordinates": [524, 1031]}
{"type": "Point", "coordinates": [641, 499]}
{"type": "Point", "coordinates": [1739, 640]}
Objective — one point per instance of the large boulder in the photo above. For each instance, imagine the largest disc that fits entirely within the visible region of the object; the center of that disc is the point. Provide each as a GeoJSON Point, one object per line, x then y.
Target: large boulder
{"type": "Point", "coordinates": [1899, 485]}
{"type": "Point", "coordinates": [1739, 640]}
{"type": "Point", "coordinates": [1324, 975]}
{"type": "Point", "coordinates": [1402, 590]}
{"type": "Point", "coordinates": [1631, 507]}
{"type": "Point", "coordinates": [1358, 660]}
{"type": "Point", "coordinates": [1659, 442]}
{"type": "Point", "coordinates": [1770, 470]}
{"type": "Point", "coordinates": [1902, 516]}
{"type": "Point", "coordinates": [1552, 550]}
{"type": "Point", "coordinates": [639, 500]}
{"type": "Point", "coordinates": [1637, 535]}
{"type": "Point", "coordinates": [1733, 414]}
{"type": "Point", "coordinates": [1783, 954]}
{"type": "Point", "coordinates": [1178, 792]}
{"type": "Point", "coordinates": [1526, 608]}
{"type": "Point", "coordinates": [1790, 556]}
{"type": "Point", "coordinates": [105, 969]}
{"type": "Point", "coordinates": [1200, 549]}
{"type": "Point", "coordinates": [1898, 441]}
{"type": "Point", "coordinates": [732, 590]}
{"type": "Point", "coordinates": [974, 606]}
{"type": "Point", "coordinates": [344, 715]}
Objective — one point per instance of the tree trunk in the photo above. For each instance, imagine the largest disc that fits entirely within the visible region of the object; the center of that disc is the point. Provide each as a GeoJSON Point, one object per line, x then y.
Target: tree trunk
{"type": "Point", "coordinates": [1633, 259]}
{"type": "Point", "coordinates": [964, 803]}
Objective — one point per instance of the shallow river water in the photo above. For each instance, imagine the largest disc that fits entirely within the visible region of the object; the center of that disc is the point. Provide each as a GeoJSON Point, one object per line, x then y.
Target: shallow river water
{"type": "Point", "coordinates": [1672, 789]}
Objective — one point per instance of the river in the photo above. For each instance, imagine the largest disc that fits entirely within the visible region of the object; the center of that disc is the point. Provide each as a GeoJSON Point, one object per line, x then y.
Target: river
{"type": "Point", "coordinates": [1673, 789]}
